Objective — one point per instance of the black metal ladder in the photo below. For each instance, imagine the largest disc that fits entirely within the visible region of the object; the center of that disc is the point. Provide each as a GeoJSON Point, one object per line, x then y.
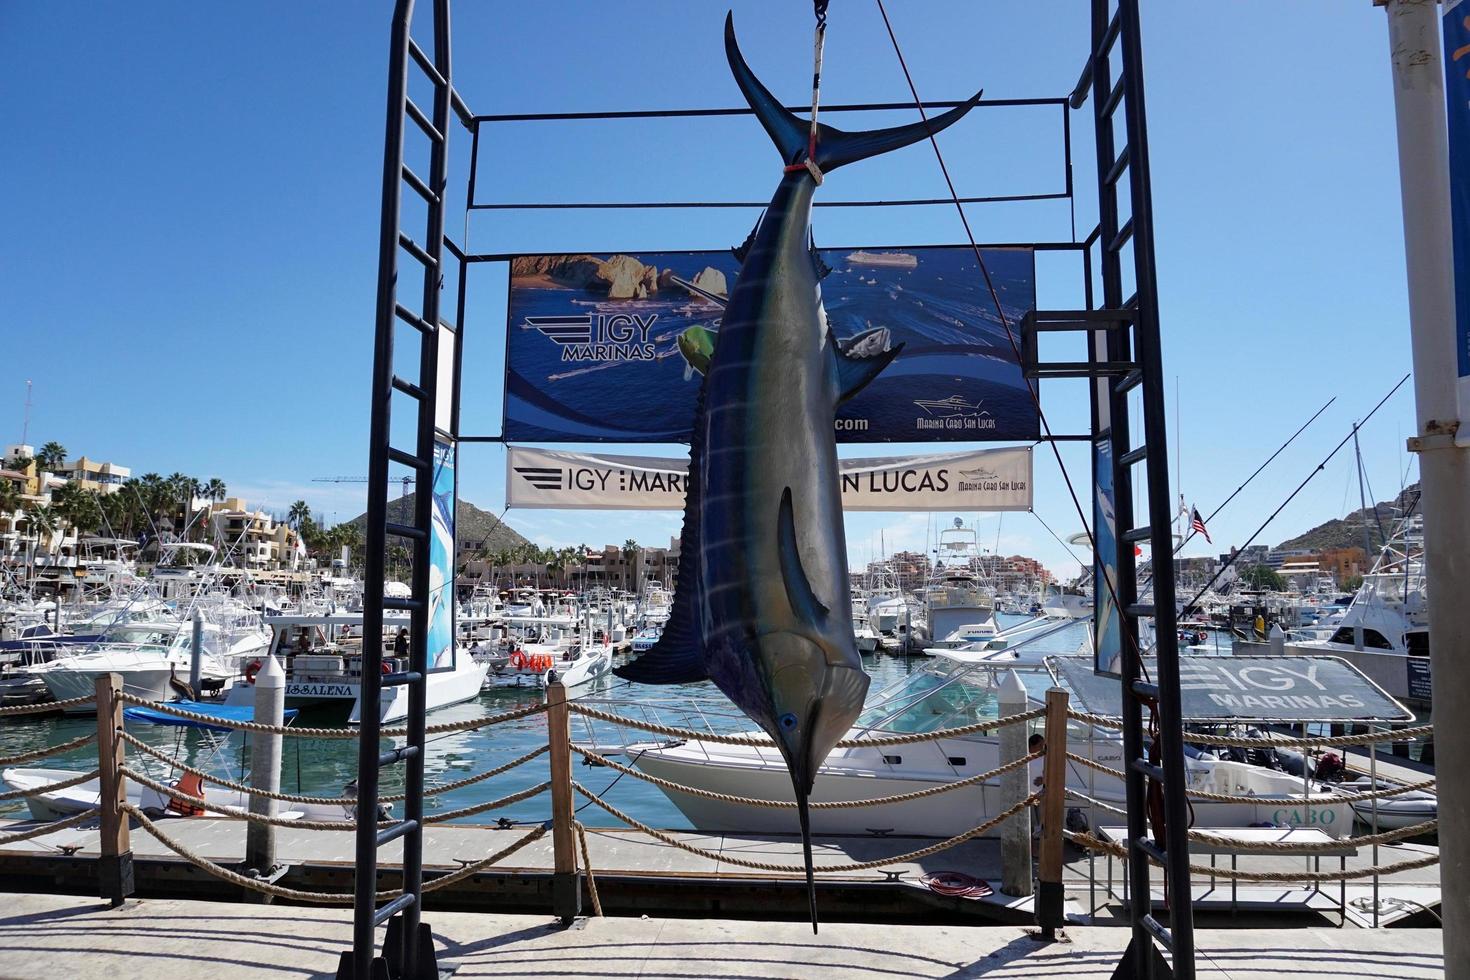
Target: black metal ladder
{"type": "Point", "coordinates": [1124, 354]}
{"type": "Point", "coordinates": [408, 950]}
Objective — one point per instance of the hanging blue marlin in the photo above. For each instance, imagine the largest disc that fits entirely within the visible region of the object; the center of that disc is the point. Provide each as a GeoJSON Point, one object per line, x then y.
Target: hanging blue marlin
{"type": "Point", "coordinates": [762, 604]}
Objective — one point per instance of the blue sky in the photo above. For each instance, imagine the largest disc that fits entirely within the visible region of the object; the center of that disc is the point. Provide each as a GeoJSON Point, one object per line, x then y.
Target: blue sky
{"type": "Point", "coordinates": [192, 199]}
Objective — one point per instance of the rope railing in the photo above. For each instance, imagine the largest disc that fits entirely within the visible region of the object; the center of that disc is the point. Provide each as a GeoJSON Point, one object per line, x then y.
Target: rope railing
{"type": "Point", "coordinates": [1224, 840]}
{"type": "Point", "coordinates": [504, 801]}
{"type": "Point", "coordinates": [587, 866]}
{"type": "Point", "coordinates": [910, 856]}
{"type": "Point", "coordinates": [1091, 842]}
{"type": "Point", "coordinates": [236, 813]}
{"type": "Point", "coordinates": [443, 728]}
{"type": "Point", "coordinates": [600, 760]}
{"type": "Point", "coordinates": [761, 741]}
{"type": "Point", "coordinates": [77, 780]}
{"type": "Point", "coordinates": [49, 828]}
{"type": "Point", "coordinates": [48, 750]}
{"type": "Point", "coordinates": [46, 707]}
{"type": "Point", "coordinates": [313, 897]}
{"type": "Point", "coordinates": [1326, 794]}
{"type": "Point", "coordinates": [1278, 742]}
{"type": "Point", "coordinates": [346, 801]}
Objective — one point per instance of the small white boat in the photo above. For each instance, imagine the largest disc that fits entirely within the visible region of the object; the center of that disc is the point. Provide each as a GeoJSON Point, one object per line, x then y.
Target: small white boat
{"type": "Point", "coordinates": [645, 638]}
{"type": "Point", "coordinates": [1393, 812]}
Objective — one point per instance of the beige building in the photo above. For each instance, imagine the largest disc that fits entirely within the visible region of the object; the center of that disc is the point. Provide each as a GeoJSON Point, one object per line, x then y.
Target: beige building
{"type": "Point", "coordinates": [91, 474]}
{"type": "Point", "coordinates": [251, 538]}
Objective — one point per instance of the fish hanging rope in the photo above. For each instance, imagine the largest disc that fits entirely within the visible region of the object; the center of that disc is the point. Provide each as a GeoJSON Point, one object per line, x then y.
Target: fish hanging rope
{"type": "Point", "coordinates": [818, 40]}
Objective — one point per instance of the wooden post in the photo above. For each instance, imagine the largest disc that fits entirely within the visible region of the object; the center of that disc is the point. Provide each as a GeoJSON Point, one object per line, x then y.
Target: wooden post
{"type": "Point", "coordinates": [115, 865]}
{"type": "Point", "coordinates": [1050, 913]}
{"type": "Point", "coordinates": [566, 883]}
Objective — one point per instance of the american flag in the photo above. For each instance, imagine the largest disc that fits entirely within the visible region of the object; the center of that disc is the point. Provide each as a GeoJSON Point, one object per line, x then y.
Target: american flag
{"type": "Point", "coordinates": [1197, 523]}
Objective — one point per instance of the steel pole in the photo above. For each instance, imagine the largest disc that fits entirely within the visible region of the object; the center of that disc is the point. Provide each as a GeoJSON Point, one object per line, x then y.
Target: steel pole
{"type": "Point", "coordinates": [1424, 178]}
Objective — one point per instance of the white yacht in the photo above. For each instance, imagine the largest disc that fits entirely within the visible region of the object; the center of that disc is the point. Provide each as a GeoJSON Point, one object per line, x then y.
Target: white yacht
{"type": "Point", "coordinates": [954, 689]}
{"type": "Point", "coordinates": [155, 659]}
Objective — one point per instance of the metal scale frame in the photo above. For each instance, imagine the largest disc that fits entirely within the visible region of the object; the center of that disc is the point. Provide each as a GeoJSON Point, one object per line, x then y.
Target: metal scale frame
{"type": "Point", "coordinates": [1124, 353]}
{"type": "Point", "coordinates": [1122, 333]}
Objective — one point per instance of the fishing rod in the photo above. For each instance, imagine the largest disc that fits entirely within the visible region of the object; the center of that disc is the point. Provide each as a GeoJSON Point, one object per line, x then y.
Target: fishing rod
{"type": "Point", "coordinates": [1292, 496]}
{"type": "Point", "coordinates": [1251, 478]}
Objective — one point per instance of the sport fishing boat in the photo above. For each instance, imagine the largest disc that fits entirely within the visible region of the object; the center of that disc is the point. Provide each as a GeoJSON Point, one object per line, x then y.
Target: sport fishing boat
{"type": "Point", "coordinates": [155, 658]}
{"type": "Point", "coordinates": [958, 688]}
{"type": "Point", "coordinates": [322, 656]}
{"type": "Point", "coordinates": [540, 645]}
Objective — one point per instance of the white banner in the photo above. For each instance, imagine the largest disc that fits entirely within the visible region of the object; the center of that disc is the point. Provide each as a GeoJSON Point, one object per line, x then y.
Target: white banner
{"type": "Point", "coordinates": [987, 479]}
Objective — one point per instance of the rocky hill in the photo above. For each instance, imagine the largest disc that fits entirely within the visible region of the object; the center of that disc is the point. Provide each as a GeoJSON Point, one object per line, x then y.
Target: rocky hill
{"type": "Point", "coordinates": [478, 531]}
{"type": "Point", "coordinates": [1347, 532]}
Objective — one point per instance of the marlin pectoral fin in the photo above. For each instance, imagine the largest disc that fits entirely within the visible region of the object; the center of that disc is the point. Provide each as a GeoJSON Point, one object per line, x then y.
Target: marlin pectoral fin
{"type": "Point", "coordinates": [799, 590]}
{"type": "Point", "coordinates": [854, 373]}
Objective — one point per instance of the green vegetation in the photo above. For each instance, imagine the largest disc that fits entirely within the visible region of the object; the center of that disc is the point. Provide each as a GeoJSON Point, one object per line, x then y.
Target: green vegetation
{"type": "Point", "coordinates": [1262, 577]}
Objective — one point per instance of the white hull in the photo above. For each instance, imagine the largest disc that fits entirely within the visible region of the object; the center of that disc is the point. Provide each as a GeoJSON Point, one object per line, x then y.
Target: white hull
{"type": "Point", "coordinates": [84, 796]}
{"type": "Point", "coordinates": [588, 668]}
{"type": "Point", "coordinates": [863, 774]}
{"type": "Point", "coordinates": [442, 690]}
{"type": "Point", "coordinates": [149, 682]}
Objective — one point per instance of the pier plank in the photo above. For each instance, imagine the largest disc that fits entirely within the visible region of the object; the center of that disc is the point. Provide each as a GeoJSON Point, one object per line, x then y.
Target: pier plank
{"type": "Point", "coordinates": [82, 939]}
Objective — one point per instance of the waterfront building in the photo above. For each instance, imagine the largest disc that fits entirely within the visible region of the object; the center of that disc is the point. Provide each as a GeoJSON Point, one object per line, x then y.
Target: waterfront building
{"type": "Point", "coordinates": [91, 474]}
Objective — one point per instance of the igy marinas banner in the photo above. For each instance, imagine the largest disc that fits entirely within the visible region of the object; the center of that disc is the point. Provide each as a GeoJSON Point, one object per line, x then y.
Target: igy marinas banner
{"type": "Point", "coordinates": [612, 348]}
{"type": "Point", "coordinates": [987, 479]}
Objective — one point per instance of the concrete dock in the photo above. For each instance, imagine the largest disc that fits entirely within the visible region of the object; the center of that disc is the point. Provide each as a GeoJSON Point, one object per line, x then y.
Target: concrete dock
{"type": "Point", "coordinates": [639, 875]}
{"type": "Point", "coordinates": [81, 939]}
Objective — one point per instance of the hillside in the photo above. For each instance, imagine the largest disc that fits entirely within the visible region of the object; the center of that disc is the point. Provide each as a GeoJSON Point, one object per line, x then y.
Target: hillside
{"type": "Point", "coordinates": [476, 530]}
{"type": "Point", "coordinates": [1347, 532]}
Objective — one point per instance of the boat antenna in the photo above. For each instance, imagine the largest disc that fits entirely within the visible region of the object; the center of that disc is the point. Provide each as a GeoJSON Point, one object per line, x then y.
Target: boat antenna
{"type": "Point", "coordinates": [25, 429]}
{"type": "Point", "coordinates": [1292, 496]}
{"type": "Point", "coordinates": [1269, 459]}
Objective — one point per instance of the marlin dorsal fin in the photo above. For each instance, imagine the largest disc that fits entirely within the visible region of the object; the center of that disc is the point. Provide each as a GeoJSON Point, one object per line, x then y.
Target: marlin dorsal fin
{"type": "Point", "coordinates": [854, 373]}
{"type": "Point", "coordinates": [678, 656]}
{"type": "Point", "coordinates": [798, 587]}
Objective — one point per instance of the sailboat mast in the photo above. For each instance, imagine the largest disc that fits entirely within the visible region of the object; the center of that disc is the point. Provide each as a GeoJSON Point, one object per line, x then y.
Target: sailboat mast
{"type": "Point", "coordinates": [1362, 497]}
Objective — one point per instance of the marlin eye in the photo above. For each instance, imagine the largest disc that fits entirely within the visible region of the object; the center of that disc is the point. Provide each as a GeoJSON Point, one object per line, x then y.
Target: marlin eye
{"type": "Point", "coordinates": [787, 721]}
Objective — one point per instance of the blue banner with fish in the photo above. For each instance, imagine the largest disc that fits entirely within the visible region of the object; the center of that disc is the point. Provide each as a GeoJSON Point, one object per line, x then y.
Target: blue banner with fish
{"type": "Point", "coordinates": [612, 347]}
{"type": "Point", "coordinates": [1457, 98]}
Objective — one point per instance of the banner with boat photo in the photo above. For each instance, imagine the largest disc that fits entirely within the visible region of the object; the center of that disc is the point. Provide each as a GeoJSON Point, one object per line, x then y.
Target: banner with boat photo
{"type": "Point", "coordinates": [612, 347]}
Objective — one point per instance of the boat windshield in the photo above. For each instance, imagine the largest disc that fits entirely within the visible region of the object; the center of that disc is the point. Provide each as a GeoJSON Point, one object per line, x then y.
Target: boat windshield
{"type": "Point", "coordinates": [947, 694]}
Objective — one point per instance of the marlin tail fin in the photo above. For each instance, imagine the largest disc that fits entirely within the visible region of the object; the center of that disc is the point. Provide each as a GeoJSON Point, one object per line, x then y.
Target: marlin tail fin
{"type": "Point", "coordinates": [835, 148]}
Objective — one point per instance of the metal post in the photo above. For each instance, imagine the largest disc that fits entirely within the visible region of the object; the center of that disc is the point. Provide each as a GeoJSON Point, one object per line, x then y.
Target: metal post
{"type": "Point", "coordinates": [265, 769]}
{"type": "Point", "coordinates": [196, 653]}
{"type": "Point", "coordinates": [1015, 833]}
{"type": "Point", "coordinates": [1444, 467]}
{"type": "Point", "coordinates": [566, 884]}
{"type": "Point", "coordinates": [1050, 914]}
{"type": "Point", "coordinates": [115, 863]}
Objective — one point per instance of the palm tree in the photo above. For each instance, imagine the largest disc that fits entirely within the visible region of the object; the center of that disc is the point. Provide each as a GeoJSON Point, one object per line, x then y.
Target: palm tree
{"type": "Point", "coordinates": [52, 455]}
{"type": "Point", "coordinates": [630, 553]}
{"type": "Point", "coordinates": [300, 512]}
{"type": "Point", "coordinates": [216, 490]}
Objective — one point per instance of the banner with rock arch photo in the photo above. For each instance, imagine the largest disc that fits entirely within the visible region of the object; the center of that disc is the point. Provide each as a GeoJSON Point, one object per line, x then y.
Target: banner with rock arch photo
{"type": "Point", "coordinates": [610, 347]}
